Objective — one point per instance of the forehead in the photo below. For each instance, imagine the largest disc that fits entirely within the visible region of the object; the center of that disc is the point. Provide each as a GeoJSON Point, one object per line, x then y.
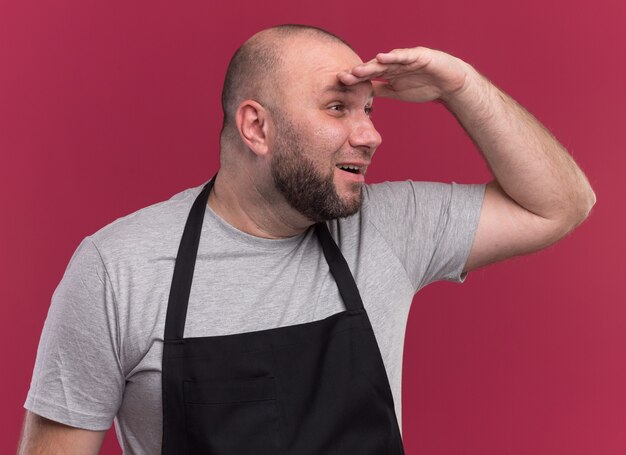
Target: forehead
{"type": "Point", "coordinates": [311, 65]}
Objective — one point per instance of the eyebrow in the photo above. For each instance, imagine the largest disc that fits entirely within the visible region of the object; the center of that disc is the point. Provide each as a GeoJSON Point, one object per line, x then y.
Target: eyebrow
{"type": "Point", "coordinates": [342, 88]}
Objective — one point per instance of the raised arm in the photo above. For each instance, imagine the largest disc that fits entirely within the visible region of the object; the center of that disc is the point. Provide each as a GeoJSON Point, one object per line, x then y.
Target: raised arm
{"type": "Point", "coordinates": [539, 193]}
{"type": "Point", "coordinates": [43, 436]}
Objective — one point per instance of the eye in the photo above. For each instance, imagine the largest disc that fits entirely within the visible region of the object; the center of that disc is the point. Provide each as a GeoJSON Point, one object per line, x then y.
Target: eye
{"type": "Point", "coordinates": [337, 107]}
{"type": "Point", "coordinates": [369, 110]}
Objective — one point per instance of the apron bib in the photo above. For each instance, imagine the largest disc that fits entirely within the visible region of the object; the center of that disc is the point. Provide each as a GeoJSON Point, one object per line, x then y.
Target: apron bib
{"type": "Point", "coordinates": [318, 388]}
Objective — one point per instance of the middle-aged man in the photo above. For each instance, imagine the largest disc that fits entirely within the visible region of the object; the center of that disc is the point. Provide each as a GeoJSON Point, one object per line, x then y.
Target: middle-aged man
{"type": "Point", "coordinates": [290, 339]}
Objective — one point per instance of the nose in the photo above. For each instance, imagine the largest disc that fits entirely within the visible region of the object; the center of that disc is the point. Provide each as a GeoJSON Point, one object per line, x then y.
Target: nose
{"type": "Point", "coordinates": [364, 134]}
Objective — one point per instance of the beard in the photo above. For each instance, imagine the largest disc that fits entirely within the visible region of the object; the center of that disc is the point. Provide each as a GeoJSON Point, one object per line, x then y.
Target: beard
{"type": "Point", "coordinates": [307, 189]}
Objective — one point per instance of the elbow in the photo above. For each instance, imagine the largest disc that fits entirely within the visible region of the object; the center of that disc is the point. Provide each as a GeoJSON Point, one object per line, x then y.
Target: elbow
{"type": "Point", "coordinates": [591, 201]}
{"type": "Point", "coordinates": [574, 210]}
{"type": "Point", "coordinates": [588, 201]}
{"type": "Point", "coordinates": [580, 208]}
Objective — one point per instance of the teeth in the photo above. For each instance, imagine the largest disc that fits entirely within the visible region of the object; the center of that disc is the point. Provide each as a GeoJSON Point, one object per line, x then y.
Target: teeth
{"type": "Point", "coordinates": [346, 166]}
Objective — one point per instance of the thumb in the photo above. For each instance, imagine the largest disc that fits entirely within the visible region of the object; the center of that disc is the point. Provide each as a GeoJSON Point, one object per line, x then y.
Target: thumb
{"type": "Point", "coordinates": [384, 89]}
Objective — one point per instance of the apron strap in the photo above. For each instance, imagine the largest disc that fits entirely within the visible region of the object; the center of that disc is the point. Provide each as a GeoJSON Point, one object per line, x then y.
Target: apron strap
{"type": "Point", "coordinates": [339, 268]}
{"type": "Point", "coordinates": [186, 261]}
{"type": "Point", "coordinates": [184, 267]}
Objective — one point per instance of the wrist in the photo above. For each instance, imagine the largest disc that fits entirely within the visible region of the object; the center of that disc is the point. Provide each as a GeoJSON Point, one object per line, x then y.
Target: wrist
{"type": "Point", "coordinates": [467, 92]}
{"type": "Point", "coordinates": [474, 101]}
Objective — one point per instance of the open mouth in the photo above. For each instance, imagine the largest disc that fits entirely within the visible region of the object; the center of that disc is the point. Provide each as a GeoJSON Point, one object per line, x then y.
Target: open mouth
{"type": "Point", "coordinates": [350, 169]}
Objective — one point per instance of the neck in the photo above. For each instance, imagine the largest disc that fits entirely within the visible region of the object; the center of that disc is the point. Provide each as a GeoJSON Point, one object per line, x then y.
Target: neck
{"type": "Point", "coordinates": [243, 203]}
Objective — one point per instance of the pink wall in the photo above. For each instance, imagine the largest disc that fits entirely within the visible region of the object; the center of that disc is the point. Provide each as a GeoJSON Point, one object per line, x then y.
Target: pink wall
{"type": "Point", "coordinates": [106, 107]}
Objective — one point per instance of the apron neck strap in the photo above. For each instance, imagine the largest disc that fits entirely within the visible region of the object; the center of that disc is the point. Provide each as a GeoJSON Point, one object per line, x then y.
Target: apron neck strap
{"type": "Point", "coordinates": [186, 261]}
{"type": "Point", "coordinates": [339, 268]}
{"type": "Point", "coordinates": [183, 268]}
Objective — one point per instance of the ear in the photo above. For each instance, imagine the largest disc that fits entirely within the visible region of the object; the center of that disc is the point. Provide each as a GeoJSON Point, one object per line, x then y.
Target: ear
{"type": "Point", "coordinates": [253, 123]}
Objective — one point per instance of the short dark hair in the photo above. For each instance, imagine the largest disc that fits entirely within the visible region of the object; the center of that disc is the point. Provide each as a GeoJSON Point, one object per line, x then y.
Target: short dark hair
{"type": "Point", "coordinates": [250, 67]}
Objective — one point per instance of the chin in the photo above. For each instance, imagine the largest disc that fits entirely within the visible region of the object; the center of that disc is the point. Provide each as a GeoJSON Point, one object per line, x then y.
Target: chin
{"type": "Point", "coordinates": [353, 202]}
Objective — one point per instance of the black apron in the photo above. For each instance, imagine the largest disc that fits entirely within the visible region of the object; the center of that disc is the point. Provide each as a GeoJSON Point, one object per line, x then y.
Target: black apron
{"type": "Point", "coordinates": [318, 388]}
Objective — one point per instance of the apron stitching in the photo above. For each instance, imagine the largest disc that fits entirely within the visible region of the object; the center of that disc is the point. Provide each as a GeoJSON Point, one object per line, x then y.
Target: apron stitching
{"type": "Point", "coordinates": [357, 328]}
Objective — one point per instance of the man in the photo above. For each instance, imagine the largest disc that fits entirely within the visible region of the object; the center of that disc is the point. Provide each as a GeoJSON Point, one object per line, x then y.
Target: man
{"type": "Point", "coordinates": [295, 146]}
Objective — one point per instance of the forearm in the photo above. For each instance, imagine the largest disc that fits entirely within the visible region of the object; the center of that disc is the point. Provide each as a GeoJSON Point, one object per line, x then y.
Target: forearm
{"type": "Point", "coordinates": [530, 165]}
{"type": "Point", "coordinates": [43, 436]}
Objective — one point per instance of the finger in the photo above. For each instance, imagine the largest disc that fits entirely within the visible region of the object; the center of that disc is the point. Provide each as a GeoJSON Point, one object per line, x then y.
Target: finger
{"type": "Point", "coordinates": [347, 78]}
{"type": "Point", "coordinates": [378, 70]}
{"type": "Point", "coordinates": [402, 56]}
{"type": "Point", "coordinates": [368, 69]}
{"type": "Point", "coordinates": [364, 64]}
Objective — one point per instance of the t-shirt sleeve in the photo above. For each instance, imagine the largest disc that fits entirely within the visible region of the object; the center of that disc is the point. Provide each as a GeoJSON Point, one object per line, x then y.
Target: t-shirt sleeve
{"type": "Point", "coordinates": [77, 379]}
{"type": "Point", "coordinates": [430, 226]}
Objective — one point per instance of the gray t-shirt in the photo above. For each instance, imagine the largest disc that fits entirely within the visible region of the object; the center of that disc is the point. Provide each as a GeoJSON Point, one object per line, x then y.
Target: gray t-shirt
{"type": "Point", "coordinates": [99, 357]}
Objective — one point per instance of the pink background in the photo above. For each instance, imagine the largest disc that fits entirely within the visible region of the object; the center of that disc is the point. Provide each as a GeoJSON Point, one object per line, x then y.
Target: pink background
{"type": "Point", "coordinates": [106, 107]}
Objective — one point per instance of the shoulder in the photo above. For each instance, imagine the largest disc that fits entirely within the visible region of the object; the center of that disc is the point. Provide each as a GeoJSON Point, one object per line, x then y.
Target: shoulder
{"type": "Point", "coordinates": [390, 205]}
{"type": "Point", "coordinates": [411, 191]}
{"type": "Point", "coordinates": [140, 231]}
{"type": "Point", "coordinates": [426, 198]}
